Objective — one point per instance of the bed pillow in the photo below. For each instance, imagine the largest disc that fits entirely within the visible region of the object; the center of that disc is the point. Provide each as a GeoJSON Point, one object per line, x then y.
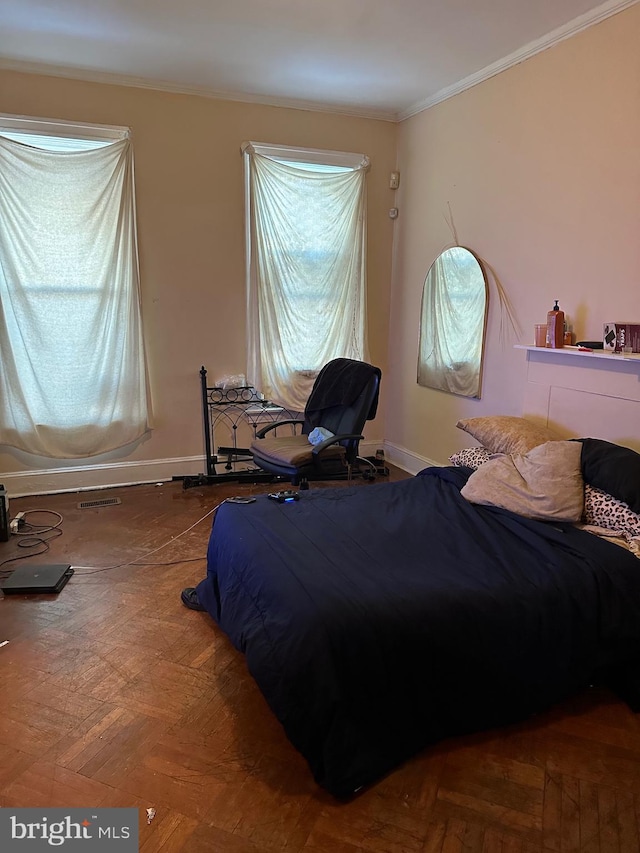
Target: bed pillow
{"type": "Point", "coordinates": [613, 469]}
{"type": "Point", "coordinates": [545, 483]}
{"type": "Point", "coordinates": [470, 457]}
{"type": "Point", "coordinates": [603, 510]}
{"type": "Point", "coordinates": [507, 434]}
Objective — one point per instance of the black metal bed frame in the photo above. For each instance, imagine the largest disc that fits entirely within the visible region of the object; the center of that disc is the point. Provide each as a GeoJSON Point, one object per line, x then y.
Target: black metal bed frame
{"type": "Point", "coordinates": [232, 406]}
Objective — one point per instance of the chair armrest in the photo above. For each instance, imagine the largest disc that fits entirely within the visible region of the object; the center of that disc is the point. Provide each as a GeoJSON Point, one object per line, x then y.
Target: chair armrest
{"type": "Point", "coordinates": [262, 432]}
{"type": "Point", "coordinates": [335, 439]}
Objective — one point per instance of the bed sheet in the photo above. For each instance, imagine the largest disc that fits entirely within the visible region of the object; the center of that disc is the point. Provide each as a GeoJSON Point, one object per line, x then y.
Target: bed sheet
{"type": "Point", "coordinates": [379, 619]}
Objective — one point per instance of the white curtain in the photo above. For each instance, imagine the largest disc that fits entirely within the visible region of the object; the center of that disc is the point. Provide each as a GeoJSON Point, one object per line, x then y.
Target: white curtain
{"type": "Point", "coordinates": [306, 273]}
{"type": "Point", "coordinates": [72, 368]}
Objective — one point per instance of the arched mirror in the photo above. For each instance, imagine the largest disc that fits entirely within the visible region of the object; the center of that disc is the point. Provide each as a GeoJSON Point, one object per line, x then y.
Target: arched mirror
{"type": "Point", "coordinates": [455, 300]}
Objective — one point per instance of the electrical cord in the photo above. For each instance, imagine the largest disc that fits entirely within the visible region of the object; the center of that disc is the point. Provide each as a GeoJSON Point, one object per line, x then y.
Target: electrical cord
{"type": "Point", "coordinates": [41, 528]}
{"type": "Point", "coordinates": [97, 569]}
{"type": "Point", "coordinates": [33, 535]}
{"type": "Point", "coordinates": [174, 562]}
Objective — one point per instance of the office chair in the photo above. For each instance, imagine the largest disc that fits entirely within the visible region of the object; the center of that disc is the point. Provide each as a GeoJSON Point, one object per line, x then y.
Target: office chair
{"type": "Point", "coordinates": [343, 397]}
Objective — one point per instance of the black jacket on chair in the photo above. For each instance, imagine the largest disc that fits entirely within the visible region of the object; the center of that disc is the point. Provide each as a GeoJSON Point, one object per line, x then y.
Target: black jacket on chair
{"type": "Point", "coordinates": [344, 396]}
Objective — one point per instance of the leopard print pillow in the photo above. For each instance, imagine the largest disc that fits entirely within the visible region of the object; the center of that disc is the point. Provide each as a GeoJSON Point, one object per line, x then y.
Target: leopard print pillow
{"type": "Point", "coordinates": [470, 457]}
{"type": "Point", "coordinates": [603, 510]}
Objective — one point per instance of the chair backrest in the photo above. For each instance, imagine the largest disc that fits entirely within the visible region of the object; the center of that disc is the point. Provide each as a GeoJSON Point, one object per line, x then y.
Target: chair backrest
{"type": "Point", "coordinates": [346, 417]}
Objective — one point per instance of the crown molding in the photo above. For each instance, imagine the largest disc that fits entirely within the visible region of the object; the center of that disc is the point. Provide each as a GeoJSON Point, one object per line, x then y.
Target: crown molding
{"type": "Point", "coordinates": [577, 25]}
{"type": "Point", "coordinates": [87, 75]}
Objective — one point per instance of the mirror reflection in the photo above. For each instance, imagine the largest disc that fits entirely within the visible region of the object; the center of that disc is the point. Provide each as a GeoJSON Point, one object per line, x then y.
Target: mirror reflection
{"type": "Point", "coordinates": [455, 300]}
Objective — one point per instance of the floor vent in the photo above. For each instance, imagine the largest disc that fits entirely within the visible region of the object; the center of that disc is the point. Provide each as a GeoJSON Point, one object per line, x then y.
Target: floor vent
{"type": "Point", "coordinates": [104, 502]}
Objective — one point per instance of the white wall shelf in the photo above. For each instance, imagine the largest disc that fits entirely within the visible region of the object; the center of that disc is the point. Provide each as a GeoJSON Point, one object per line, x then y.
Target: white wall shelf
{"type": "Point", "coordinates": [584, 393]}
{"type": "Point", "coordinates": [576, 352]}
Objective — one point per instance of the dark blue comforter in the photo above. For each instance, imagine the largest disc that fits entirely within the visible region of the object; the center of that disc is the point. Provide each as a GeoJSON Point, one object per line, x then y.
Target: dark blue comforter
{"type": "Point", "coordinates": [379, 619]}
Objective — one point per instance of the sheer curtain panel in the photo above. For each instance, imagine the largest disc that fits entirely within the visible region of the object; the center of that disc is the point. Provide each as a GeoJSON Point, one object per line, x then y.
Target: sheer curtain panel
{"type": "Point", "coordinates": [306, 236]}
{"type": "Point", "coordinates": [72, 367]}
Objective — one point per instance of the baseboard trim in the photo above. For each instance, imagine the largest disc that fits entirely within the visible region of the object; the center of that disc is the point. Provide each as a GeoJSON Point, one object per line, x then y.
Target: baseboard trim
{"type": "Point", "coordinates": [407, 460]}
{"type": "Point", "coordinates": [81, 478]}
{"type": "Point", "coordinates": [84, 478]}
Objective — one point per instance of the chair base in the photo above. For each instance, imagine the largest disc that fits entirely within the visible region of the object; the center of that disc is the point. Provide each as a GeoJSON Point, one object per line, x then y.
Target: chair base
{"type": "Point", "coordinates": [259, 475]}
{"type": "Point", "coordinates": [255, 476]}
{"type": "Point", "coordinates": [363, 467]}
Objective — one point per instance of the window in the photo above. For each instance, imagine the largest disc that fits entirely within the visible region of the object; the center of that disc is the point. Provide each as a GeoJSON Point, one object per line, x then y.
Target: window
{"type": "Point", "coordinates": [72, 368]}
{"type": "Point", "coordinates": [306, 245]}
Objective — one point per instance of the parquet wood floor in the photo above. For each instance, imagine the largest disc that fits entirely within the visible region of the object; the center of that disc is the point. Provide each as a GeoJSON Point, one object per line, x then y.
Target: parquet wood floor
{"type": "Point", "coordinates": [114, 694]}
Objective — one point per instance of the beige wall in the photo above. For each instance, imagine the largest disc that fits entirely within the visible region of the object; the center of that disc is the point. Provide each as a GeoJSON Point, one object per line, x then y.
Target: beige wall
{"type": "Point", "coordinates": [541, 169]}
{"type": "Point", "coordinates": [190, 206]}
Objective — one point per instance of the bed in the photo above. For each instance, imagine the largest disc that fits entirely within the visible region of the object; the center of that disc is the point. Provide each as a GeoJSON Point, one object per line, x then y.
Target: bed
{"type": "Point", "coordinates": [379, 619]}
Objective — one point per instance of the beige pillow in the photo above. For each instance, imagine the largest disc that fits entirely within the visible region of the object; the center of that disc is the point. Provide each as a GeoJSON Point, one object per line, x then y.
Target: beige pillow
{"type": "Point", "coordinates": [545, 483]}
{"type": "Point", "coordinates": [507, 434]}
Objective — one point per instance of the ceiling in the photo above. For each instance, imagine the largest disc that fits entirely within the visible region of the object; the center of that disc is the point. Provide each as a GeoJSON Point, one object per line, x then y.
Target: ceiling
{"type": "Point", "coordinates": [380, 58]}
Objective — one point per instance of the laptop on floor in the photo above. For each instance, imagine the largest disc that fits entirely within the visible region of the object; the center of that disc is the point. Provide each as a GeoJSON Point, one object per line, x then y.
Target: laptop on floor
{"type": "Point", "coordinates": [36, 579]}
